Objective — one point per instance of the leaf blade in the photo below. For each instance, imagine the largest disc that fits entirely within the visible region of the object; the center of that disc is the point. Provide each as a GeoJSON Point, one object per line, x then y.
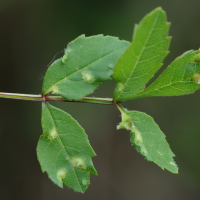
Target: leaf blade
{"type": "Point", "coordinates": [181, 77]}
{"type": "Point", "coordinates": [64, 151]}
{"type": "Point", "coordinates": [143, 57]}
{"type": "Point", "coordinates": [88, 61]}
{"type": "Point", "coordinates": [148, 139]}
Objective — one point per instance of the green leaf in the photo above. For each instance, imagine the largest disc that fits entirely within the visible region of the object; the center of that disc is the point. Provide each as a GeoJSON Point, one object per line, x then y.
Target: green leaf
{"type": "Point", "coordinates": [181, 77]}
{"type": "Point", "coordinates": [143, 57]}
{"type": "Point", "coordinates": [88, 61]}
{"type": "Point", "coordinates": [64, 151]}
{"type": "Point", "coordinates": [148, 139]}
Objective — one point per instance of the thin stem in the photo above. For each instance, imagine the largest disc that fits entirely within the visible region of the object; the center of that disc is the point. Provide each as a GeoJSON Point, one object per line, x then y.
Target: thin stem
{"type": "Point", "coordinates": [28, 97]}
{"type": "Point", "coordinates": [31, 97]}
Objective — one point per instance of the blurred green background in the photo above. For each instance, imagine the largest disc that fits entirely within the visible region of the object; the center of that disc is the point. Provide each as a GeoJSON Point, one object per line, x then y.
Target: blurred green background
{"type": "Point", "coordinates": [31, 33]}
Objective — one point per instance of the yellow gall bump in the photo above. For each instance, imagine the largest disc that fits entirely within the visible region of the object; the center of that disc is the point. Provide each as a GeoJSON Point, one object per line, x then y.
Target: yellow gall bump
{"type": "Point", "coordinates": [110, 66]}
{"type": "Point", "coordinates": [143, 151]}
{"type": "Point", "coordinates": [61, 174]}
{"type": "Point", "coordinates": [171, 163]}
{"type": "Point", "coordinates": [64, 58]}
{"type": "Point", "coordinates": [54, 89]}
{"type": "Point", "coordinates": [87, 77]}
{"type": "Point", "coordinates": [85, 182]}
{"type": "Point", "coordinates": [120, 86]}
{"type": "Point", "coordinates": [196, 78]}
{"type": "Point", "coordinates": [53, 134]}
{"type": "Point", "coordinates": [197, 58]}
{"type": "Point", "coordinates": [68, 50]}
{"type": "Point", "coordinates": [126, 123]}
{"type": "Point", "coordinates": [138, 138]}
{"type": "Point", "coordinates": [78, 162]}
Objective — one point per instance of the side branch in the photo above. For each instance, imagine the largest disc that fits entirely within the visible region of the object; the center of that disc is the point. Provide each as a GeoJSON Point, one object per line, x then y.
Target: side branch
{"type": "Point", "coordinates": [31, 97]}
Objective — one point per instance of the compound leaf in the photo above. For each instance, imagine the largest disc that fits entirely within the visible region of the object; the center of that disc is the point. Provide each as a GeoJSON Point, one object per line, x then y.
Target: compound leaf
{"type": "Point", "coordinates": [148, 139]}
{"type": "Point", "coordinates": [88, 61]}
{"type": "Point", "coordinates": [64, 151]}
{"type": "Point", "coordinates": [181, 77]}
{"type": "Point", "coordinates": [143, 57]}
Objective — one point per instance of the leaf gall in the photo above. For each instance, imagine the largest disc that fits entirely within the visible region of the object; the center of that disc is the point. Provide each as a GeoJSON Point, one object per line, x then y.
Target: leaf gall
{"type": "Point", "coordinates": [61, 174]}
{"type": "Point", "coordinates": [87, 77]}
{"type": "Point", "coordinates": [196, 78]}
{"type": "Point", "coordinates": [53, 134]}
{"type": "Point", "coordinates": [78, 162]}
{"type": "Point", "coordinates": [197, 58]}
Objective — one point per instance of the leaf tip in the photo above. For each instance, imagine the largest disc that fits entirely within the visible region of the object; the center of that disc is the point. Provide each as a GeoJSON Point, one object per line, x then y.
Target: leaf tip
{"type": "Point", "coordinates": [81, 36]}
{"type": "Point", "coordinates": [175, 167]}
{"type": "Point", "coordinates": [159, 8]}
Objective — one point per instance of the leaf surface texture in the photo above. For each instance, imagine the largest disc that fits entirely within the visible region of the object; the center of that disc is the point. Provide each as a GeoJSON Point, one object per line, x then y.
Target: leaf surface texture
{"type": "Point", "coordinates": [144, 56]}
{"type": "Point", "coordinates": [148, 139]}
{"type": "Point", "coordinates": [181, 77]}
{"type": "Point", "coordinates": [64, 151]}
{"type": "Point", "coordinates": [88, 61]}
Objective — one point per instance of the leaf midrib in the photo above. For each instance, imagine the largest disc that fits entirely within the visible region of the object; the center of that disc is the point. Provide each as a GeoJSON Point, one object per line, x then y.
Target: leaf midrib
{"type": "Point", "coordinates": [157, 89]}
{"type": "Point", "coordinates": [66, 77]}
{"type": "Point", "coordinates": [146, 92]}
{"type": "Point", "coordinates": [152, 146]}
{"type": "Point", "coordinates": [64, 147]}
